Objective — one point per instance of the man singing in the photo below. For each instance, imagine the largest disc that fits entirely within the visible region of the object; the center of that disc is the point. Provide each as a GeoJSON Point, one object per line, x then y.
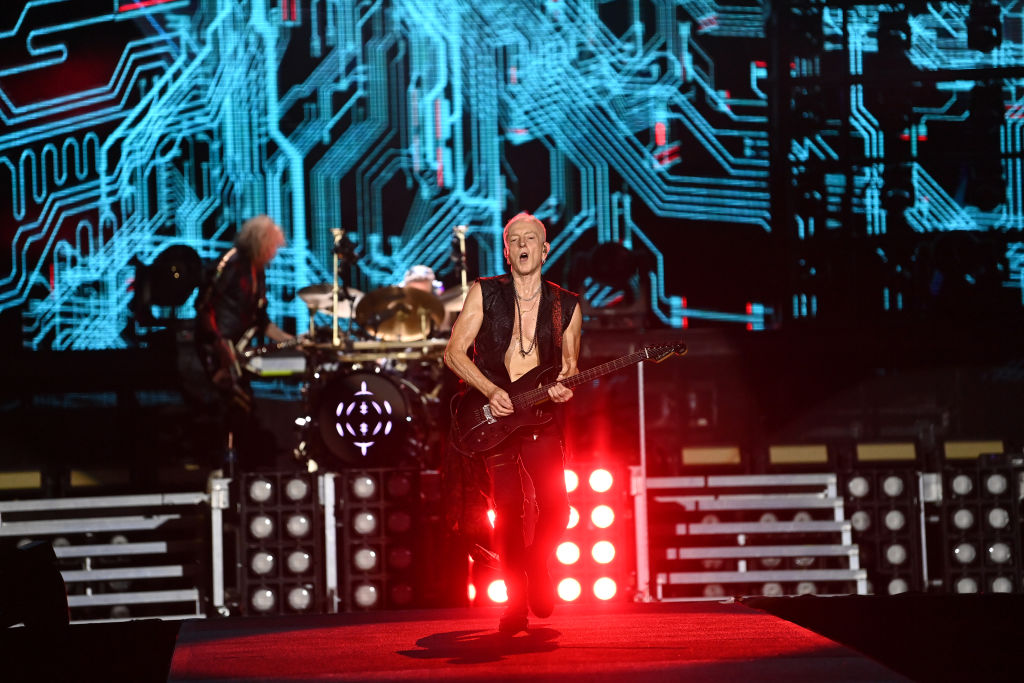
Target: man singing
{"type": "Point", "coordinates": [516, 323]}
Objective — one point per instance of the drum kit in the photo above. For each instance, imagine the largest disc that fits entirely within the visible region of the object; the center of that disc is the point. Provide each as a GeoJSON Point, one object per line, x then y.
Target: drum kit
{"type": "Point", "coordinates": [372, 390]}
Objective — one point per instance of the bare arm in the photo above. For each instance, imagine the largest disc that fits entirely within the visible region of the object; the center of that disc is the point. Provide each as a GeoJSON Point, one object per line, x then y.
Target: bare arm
{"type": "Point", "coordinates": [456, 357]}
{"type": "Point", "coordinates": [570, 356]}
{"type": "Point", "coordinates": [276, 333]}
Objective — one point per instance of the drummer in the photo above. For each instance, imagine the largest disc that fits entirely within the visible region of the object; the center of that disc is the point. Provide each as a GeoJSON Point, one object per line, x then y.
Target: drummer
{"type": "Point", "coordinates": [422, 277]}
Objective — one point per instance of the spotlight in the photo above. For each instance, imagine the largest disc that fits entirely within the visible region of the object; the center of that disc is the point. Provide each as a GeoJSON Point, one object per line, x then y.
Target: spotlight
{"type": "Point", "coordinates": [299, 562]}
{"type": "Point", "coordinates": [296, 489]}
{"type": "Point", "coordinates": [600, 480]}
{"type": "Point", "coordinates": [772, 589]}
{"type": "Point", "coordinates": [399, 485]}
{"type": "Point", "coordinates": [569, 589]}
{"type": "Point", "coordinates": [963, 519]}
{"type": "Point", "coordinates": [858, 486]}
{"type": "Point", "coordinates": [713, 590]}
{"type": "Point", "coordinates": [860, 520]}
{"type": "Point", "coordinates": [605, 588]}
{"type": "Point", "coordinates": [298, 526]}
{"type": "Point", "coordinates": [806, 588]}
{"type": "Point", "coordinates": [261, 526]}
{"type": "Point", "coordinates": [567, 552]}
{"type": "Point", "coordinates": [962, 485]}
{"type": "Point", "coordinates": [1001, 584]}
{"type": "Point", "coordinates": [399, 522]}
{"type": "Point", "coordinates": [996, 484]}
{"type": "Point", "coordinates": [365, 559]}
{"type": "Point", "coordinates": [965, 553]}
{"type": "Point", "coordinates": [574, 517]}
{"type": "Point", "coordinates": [999, 552]}
{"type": "Point", "coordinates": [497, 592]}
{"type": "Point", "coordinates": [365, 595]}
{"type": "Point", "coordinates": [262, 563]}
{"type": "Point", "coordinates": [363, 487]}
{"type": "Point", "coordinates": [263, 600]}
{"type": "Point", "coordinates": [572, 480]}
{"type": "Point", "coordinates": [399, 557]}
{"type": "Point", "coordinates": [260, 490]}
{"type": "Point", "coordinates": [896, 554]}
{"type": "Point", "coordinates": [998, 518]}
{"type": "Point", "coordinates": [892, 486]}
{"type": "Point", "coordinates": [401, 594]}
{"type": "Point", "coordinates": [895, 520]}
{"type": "Point", "coordinates": [364, 523]}
{"type": "Point", "coordinates": [897, 586]}
{"type": "Point", "coordinates": [299, 598]}
{"type": "Point", "coordinates": [966, 585]}
{"type": "Point", "coordinates": [602, 516]}
{"type": "Point", "coordinates": [603, 552]}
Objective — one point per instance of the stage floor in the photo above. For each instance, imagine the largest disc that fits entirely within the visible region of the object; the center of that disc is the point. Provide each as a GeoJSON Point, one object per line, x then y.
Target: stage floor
{"type": "Point", "coordinates": [695, 641]}
{"type": "Point", "coordinates": [811, 638]}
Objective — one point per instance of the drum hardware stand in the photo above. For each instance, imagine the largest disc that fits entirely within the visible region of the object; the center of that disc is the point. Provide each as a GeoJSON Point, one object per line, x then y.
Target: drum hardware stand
{"type": "Point", "coordinates": [344, 256]}
{"type": "Point", "coordinates": [460, 260]}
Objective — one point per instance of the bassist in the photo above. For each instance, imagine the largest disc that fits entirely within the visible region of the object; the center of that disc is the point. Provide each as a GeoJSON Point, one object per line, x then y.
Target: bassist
{"type": "Point", "coordinates": [515, 323]}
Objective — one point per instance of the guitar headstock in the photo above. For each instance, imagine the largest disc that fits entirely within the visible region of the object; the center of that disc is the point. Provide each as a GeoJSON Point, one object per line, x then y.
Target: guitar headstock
{"type": "Point", "coordinates": [659, 352]}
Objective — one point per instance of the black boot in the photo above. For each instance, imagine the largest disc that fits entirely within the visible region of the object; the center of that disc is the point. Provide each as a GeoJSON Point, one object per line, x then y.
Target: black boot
{"type": "Point", "coordinates": [542, 591]}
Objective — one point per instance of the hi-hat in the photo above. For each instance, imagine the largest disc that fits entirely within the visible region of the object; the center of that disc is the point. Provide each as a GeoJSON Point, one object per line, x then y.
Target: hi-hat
{"type": "Point", "coordinates": [400, 313]}
{"type": "Point", "coordinates": [321, 298]}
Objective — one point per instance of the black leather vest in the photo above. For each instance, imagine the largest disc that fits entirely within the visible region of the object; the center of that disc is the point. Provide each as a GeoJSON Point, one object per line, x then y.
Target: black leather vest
{"type": "Point", "coordinates": [499, 319]}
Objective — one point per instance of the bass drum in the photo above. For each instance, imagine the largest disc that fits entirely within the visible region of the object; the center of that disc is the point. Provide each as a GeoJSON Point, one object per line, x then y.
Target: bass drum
{"type": "Point", "coordinates": [366, 419]}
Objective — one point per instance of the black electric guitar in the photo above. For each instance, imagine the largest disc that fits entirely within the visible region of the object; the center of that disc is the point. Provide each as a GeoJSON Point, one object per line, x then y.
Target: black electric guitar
{"type": "Point", "coordinates": [476, 429]}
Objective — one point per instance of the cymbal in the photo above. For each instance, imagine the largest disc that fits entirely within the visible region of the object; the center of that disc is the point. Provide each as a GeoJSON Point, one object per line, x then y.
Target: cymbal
{"type": "Point", "coordinates": [321, 297]}
{"type": "Point", "coordinates": [399, 313]}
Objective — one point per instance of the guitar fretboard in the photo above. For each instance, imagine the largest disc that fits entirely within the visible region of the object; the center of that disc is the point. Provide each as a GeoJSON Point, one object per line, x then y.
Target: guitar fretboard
{"type": "Point", "coordinates": [532, 396]}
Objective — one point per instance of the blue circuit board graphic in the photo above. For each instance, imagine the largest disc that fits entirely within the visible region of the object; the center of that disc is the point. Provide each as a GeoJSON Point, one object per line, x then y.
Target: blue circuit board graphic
{"type": "Point", "coordinates": [131, 127]}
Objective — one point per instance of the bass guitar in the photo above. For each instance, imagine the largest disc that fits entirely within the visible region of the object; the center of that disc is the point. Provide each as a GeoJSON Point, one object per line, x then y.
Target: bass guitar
{"type": "Point", "coordinates": [476, 429]}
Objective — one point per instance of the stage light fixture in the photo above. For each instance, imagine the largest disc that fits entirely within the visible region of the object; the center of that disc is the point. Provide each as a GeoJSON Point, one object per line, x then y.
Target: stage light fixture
{"type": "Point", "coordinates": [400, 484]}
{"type": "Point", "coordinates": [364, 487]}
{"type": "Point", "coordinates": [603, 552]}
{"type": "Point", "coordinates": [858, 486]}
{"type": "Point", "coordinates": [772, 589]}
{"type": "Point", "coordinates": [602, 516]}
{"type": "Point", "coordinates": [996, 484]}
{"type": "Point", "coordinates": [1001, 584]}
{"type": "Point", "coordinates": [892, 486]}
{"type": "Point", "coordinates": [299, 562]}
{"type": "Point", "coordinates": [998, 518]}
{"type": "Point", "coordinates": [263, 600]}
{"type": "Point", "coordinates": [365, 595]}
{"type": "Point", "coordinates": [896, 554]}
{"type": "Point", "coordinates": [399, 522]}
{"type": "Point", "coordinates": [401, 594]}
{"type": "Point", "coordinates": [962, 485]}
{"type": "Point", "coordinates": [605, 588]}
{"type": "Point", "coordinates": [399, 558]}
{"type": "Point", "coordinates": [860, 520]}
{"type": "Point", "coordinates": [999, 552]}
{"type": "Point", "coordinates": [365, 559]}
{"type": "Point", "coordinates": [963, 519]}
{"type": "Point", "coordinates": [897, 586]}
{"type": "Point", "coordinates": [364, 523]}
{"type": "Point", "coordinates": [806, 588]}
{"type": "Point", "coordinates": [965, 553]}
{"type": "Point", "coordinates": [299, 598]}
{"type": "Point", "coordinates": [260, 490]}
{"type": "Point", "coordinates": [261, 526]}
{"type": "Point", "coordinates": [569, 589]}
{"type": "Point", "coordinates": [966, 584]}
{"type": "Point", "coordinates": [296, 489]}
{"type": "Point", "coordinates": [298, 525]}
{"type": "Point", "coordinates": [713, 590]}
{"type": "Point", "coordinates": [572, 481]}
{"type": "Point", "coordinates": [601, 480]}
{"type": "Point", "coordinates": [895, 520]}
{"type": "Point", "coordinates": [567, 552]}
{"type": "Point", "coordinates": [262, 563]}
{"type": "Point", "coordinates": [497, 592]}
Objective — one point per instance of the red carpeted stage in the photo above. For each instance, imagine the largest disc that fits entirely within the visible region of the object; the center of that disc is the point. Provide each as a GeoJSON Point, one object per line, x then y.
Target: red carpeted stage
{"type": "Point", "coordinates": [849, 638]}
{"type": "Point", "coordinates": [692, 641]}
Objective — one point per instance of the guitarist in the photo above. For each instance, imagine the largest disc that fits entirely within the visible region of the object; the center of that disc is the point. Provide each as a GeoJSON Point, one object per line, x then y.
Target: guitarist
{"type": "Point", "coordinates": [232, 306]}
{"type": "Point", "coordinates": [515, 323]}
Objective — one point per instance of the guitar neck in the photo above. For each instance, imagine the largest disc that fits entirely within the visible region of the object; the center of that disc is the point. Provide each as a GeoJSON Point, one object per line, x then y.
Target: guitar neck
{"type": "Point", "coordinates": [532, 396]}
